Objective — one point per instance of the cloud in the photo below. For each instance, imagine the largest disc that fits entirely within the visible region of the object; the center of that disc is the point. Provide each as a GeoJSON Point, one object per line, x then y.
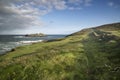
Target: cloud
{"type": "Point", "coordinates": [111, 4]}
{"type": "Point", "coordinates": [88, 2]}
{"type": "Point", "coordinates": [22, 14]}
{"type": "Point", "coordinates": [114, 3]}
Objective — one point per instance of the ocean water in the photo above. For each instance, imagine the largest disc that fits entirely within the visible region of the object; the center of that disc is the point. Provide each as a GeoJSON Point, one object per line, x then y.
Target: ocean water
{"type": "Point", "coordinates": [8, 42]}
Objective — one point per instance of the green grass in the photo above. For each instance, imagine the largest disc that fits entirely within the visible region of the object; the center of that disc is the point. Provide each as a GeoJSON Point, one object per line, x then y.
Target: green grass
{"type": "Point", "coordinates": [99, 51]}
{"type": "Point", "coordinates": [80, 56]}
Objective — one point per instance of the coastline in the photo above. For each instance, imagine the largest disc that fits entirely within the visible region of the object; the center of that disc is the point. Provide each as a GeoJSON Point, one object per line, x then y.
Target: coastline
{"type": "Point", "coordinates": [71, 58]}
{"type": "Point", "coordinates": [30, 44]}
{"type": "Point", "coordinates": [16, 41]}
{"type": "Point", "coordinates": [22, 43]}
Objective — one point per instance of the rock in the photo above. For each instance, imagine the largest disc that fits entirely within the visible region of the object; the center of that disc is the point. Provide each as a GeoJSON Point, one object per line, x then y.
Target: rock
{"type": "Point", "coordinates": [12, 50]}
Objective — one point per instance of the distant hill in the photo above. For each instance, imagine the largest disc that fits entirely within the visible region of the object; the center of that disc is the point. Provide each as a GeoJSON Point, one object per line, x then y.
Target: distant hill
{"type": "Point", "coordinates": [90, 54]}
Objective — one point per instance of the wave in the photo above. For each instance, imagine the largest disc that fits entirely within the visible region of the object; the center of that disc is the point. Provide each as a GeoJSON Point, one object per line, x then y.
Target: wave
{"type": "Point", "coordinates": [4, 49]}
{"type": "Point", "coordinates": [28, 42]}
{"type": "Point", "coordinates": [13, 43]}
{"type": "Point", "coordinates": [7, 46]}
{"type": "Point", "coordinates": [19, 36]}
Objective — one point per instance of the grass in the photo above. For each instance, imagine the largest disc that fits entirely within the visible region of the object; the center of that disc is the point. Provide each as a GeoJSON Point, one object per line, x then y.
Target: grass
{"type": "Point", "coordinates": [99, 51]}
{"type": "Point", "coordinates": [80, 56]}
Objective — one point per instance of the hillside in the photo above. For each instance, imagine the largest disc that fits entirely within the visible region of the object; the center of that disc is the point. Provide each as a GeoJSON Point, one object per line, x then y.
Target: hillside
{"type": "Point", "coordinates": [110, 27]}
{"type": "Point", "coordinates": [90, 54]}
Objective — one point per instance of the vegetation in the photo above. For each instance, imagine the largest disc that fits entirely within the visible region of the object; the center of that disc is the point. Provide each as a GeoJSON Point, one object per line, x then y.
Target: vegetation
{"type": "Point", "coordinates": [91, 54]}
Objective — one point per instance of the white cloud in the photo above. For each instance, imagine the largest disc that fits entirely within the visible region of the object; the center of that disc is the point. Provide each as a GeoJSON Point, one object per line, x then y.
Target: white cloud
{"type": "Point", "coordinates": [72, 8]}
{"type": "Point", "coordinates": [114, 3]}
{"type": "Point", "coordinates": [111, 4]}
{"type": "Point", "coordinates": [88, 2]}
{"type": "Point", "coordinates": [21, 14]}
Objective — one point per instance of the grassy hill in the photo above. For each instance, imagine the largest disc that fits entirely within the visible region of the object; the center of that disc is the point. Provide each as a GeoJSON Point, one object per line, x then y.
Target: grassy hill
{"type": "Point", "coordinates": [90, 54]}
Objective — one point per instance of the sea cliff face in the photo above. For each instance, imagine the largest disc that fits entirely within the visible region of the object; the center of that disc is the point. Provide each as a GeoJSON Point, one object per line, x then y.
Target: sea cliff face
{"type": "Point", "coordinates": [90, 54]}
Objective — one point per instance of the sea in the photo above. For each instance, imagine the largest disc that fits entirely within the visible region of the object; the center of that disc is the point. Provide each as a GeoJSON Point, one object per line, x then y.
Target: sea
{"type": "Point", "coordinates": [8, 42]}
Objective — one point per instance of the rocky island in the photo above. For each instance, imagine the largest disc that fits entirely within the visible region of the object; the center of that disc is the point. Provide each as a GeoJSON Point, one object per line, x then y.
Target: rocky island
{"type": "Point", "coordinates": [35, 35]}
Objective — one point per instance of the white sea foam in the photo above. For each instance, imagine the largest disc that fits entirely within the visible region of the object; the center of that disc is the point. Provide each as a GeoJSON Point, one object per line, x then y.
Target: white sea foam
{"type": "Point", "coordinates": [19, 36]}
{"type": "Point", "coordinates": [6, 48]}
{"type": "Point", "coordinates": [27, 42]}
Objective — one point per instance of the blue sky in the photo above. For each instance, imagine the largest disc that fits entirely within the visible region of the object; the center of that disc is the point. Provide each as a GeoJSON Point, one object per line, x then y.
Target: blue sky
{"type": "Point", "coordinates": [58, 16]}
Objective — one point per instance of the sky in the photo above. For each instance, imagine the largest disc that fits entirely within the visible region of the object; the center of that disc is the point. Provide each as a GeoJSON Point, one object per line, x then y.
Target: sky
{"type": "Point", "coordinates": [56, 16]}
